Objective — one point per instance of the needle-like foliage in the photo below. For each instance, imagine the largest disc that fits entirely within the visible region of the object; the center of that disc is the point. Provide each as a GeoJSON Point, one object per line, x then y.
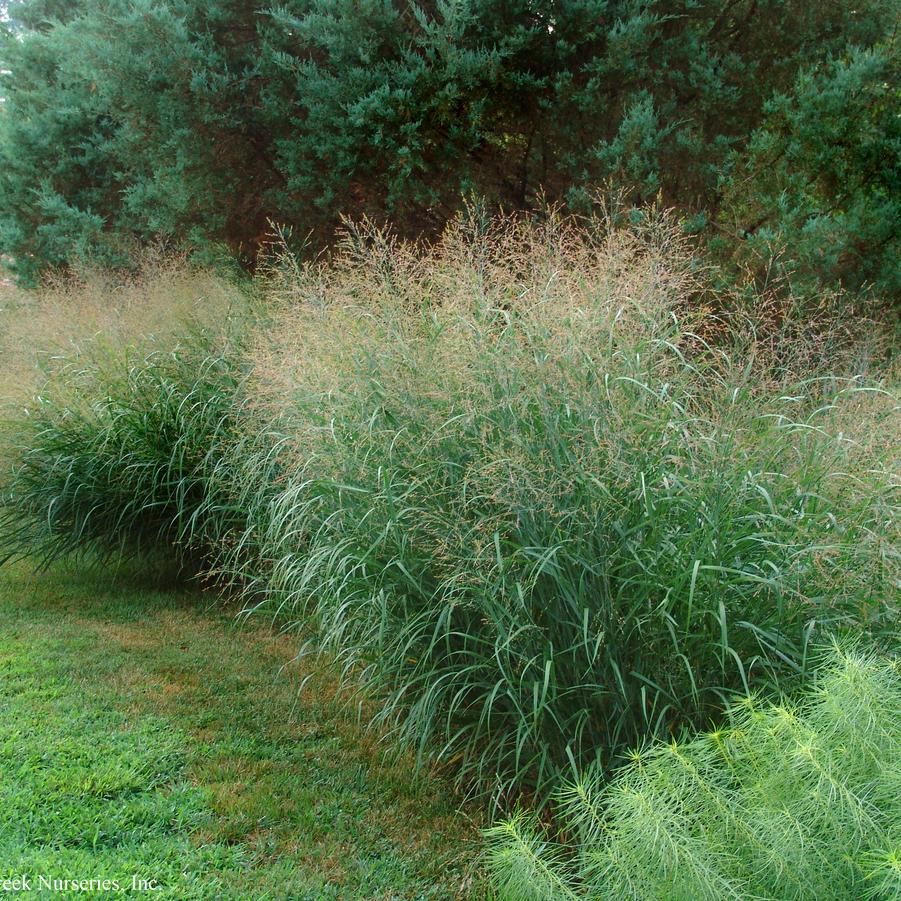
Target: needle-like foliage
{"type": "Point", "coordinates": [786, 801]}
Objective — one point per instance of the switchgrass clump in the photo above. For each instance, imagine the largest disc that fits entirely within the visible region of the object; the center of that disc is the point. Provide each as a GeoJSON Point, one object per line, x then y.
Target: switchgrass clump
{"type": "Point", "coordinates": [544, 508]}
{"type": "Point", "coordinates": [116, 394]}
{"type": "Point", "coordinates": [68, 316]}
{"type": "Point", "coordinates": [115, 455]}
{"type": "Point", "coordinates": [520, 484]}
{"type": "Point", "coordinates": [793, 801]}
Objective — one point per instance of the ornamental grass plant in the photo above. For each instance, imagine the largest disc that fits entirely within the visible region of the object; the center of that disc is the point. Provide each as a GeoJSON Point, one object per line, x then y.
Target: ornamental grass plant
{"type": "Point", "coordinates": [525, 487]}
{"type": "Point", "coordinates": [544, 504]}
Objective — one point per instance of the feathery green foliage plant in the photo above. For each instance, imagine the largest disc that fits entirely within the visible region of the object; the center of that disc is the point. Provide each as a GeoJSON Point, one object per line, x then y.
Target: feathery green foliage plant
{"type": "Point", "coordinates": [792, 801]}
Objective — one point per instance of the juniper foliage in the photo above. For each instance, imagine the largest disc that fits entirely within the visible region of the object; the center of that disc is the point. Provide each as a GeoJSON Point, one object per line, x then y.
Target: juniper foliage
{"type": "Point", "coordinates": [201, 123]}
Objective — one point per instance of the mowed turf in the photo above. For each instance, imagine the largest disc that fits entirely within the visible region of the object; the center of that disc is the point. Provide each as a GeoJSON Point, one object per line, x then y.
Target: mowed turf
{"type": "Point", "coordinates": [146, 734]}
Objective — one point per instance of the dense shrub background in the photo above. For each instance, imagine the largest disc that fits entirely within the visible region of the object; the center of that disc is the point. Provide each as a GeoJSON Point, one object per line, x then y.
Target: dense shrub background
{"type": "Point", "coordinates": [202, 123]}
{"type": "Point", "coordinates": [509, 482]}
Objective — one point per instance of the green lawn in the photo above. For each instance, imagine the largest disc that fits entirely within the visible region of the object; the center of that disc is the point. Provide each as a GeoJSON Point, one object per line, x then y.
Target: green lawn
{"type": "Point", "coordinates": [145, 733]}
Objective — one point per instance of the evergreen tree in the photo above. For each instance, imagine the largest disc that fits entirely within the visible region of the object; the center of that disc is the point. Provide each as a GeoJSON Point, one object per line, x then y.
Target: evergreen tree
{"type": "Point", "coordinates": [202, 123]}
{"type": "Point", "coordinates": [822, 175]}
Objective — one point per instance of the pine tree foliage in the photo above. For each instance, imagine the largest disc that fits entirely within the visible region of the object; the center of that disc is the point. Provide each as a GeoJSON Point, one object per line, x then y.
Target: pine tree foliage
{"type": "Point", "coordinates": [823, 173]}
{"type": "Point", "coordinates": [202, 123]}
{"type": "Point", "coordinates": [790, 801]}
